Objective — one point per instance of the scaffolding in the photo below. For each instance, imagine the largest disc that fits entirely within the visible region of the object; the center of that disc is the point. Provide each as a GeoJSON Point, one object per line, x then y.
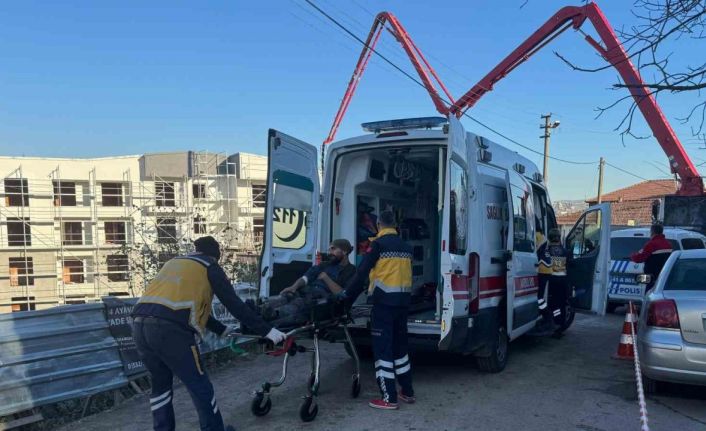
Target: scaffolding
{"type": "Point", "coordinates": [69, 238]}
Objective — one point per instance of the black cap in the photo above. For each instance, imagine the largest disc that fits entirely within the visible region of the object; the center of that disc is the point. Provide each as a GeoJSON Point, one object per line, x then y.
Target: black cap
{"type": "Point", "coordinates": [208, 246]}
{"type": "Point", "coordinates": [343, 244]}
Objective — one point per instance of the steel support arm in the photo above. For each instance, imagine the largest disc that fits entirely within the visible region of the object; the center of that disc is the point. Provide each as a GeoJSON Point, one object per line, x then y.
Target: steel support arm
{"type": "Point", "coordinates": [612, 52]}
{"type": "Point", "coordinates": [421, 65]}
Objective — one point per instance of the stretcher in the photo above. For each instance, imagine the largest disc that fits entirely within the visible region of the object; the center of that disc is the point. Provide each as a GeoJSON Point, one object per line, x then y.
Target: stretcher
{"type": "Point", "coordinates": [327, 319]}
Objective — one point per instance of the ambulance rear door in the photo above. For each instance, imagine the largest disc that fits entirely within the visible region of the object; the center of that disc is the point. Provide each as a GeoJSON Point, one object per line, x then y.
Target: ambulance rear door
{"type": "Point", "coordinates": [458, 291]}
{"type": "Point", "coordinates": [291, 212]}
{"type": "Point", "coordinates": [522, 285]}
{"type": "Point", "coordinates": [588, 245]}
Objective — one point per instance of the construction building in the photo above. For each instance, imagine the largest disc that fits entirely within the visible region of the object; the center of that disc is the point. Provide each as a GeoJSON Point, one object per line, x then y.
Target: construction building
{"type": "Point", "coordinates": [75, 230]}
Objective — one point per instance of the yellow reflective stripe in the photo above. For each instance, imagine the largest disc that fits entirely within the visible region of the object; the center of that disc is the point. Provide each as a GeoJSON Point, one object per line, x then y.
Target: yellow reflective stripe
{"type": "Point", "coordinates": [175, 306]}
{"type": "Point", "coordinates": [196, 359]}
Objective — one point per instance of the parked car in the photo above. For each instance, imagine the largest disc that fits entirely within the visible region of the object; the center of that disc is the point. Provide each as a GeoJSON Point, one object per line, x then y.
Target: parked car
{"type": "Point", "coordinates": [622, 285]}
{"type": "Point", "coordinates": [671, 336]}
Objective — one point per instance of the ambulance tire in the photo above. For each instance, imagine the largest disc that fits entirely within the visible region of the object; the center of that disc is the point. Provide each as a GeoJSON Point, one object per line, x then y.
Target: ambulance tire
{"type": "Point", "coordinates": [496, 361]}
{"type": "Point", "coordinates": [570, 314]}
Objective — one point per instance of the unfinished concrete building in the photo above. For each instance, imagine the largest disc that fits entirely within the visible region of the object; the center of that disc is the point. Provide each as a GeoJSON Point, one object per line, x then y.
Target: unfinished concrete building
{"type": "Point", "coordinates": [74, 230]}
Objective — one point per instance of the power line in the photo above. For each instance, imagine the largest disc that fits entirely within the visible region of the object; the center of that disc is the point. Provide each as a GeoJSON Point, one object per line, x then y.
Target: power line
{"type": "Point", "coordinates": [418, 82]}
{"type": "Point", "coordinates": [639, 177]}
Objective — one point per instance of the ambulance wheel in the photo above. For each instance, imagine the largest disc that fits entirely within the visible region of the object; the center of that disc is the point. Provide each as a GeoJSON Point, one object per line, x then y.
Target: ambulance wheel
{"type": "Point", "coordinates": [355, 387]}
{"type": "Point", "coordinates": [569, 316]}
{"type": "Point", "coordinates": [308, 410]}
{"type": "Point", "coordinates": [260, 405]}
{"type": "Point", "coordinates": [497, 359]}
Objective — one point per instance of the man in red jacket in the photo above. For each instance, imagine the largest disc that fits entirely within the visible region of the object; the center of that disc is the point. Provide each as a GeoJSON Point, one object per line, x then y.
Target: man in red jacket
{"type": "Point", "coordinates": [654, 254]}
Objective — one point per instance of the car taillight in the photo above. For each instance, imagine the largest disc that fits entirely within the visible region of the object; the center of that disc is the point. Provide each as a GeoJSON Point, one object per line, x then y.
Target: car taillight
{"type": "Point", "coordinates": [663, 314]}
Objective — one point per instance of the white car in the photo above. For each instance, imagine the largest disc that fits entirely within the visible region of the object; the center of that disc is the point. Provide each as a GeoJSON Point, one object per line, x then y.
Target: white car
{"type": "Point", "coordinates": [622, 285]}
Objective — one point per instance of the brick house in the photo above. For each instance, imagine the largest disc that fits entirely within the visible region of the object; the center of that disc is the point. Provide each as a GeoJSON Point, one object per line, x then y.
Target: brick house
{"type": "Point", "coordinates": [630, 206]}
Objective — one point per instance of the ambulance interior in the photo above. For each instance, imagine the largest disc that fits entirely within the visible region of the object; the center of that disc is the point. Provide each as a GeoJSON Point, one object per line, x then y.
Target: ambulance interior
{"type": "Point", "coordinates": [407, 181]}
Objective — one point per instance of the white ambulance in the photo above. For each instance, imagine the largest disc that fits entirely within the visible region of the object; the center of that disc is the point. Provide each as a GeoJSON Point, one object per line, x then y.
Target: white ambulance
{"type": "Point", "coordinates": [468, 207]}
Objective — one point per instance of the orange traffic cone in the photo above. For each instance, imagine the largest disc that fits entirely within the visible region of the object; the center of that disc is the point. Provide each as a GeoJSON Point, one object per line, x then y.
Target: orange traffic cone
{"type": "Point", "coordinates": [626, 346]}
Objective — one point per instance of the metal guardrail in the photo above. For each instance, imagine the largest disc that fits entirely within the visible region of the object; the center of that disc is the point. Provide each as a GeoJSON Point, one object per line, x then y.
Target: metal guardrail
{"type": "Point", "coordinates": [56, 354]}
{"type": "Point", "coordinates": [69, 352]}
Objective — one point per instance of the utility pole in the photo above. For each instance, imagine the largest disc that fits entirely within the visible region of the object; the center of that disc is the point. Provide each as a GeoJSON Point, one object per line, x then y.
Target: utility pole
{"type": "Point", "coordinates": [601, 165]}
{"type": "Point", "coordinates": [547, 126]}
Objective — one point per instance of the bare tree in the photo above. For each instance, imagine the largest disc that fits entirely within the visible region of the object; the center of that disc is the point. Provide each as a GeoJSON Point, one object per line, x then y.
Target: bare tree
{"type": "Point", "coordinates": [663, 26]}
{"type": "Point", "coordinates": [152, 247]}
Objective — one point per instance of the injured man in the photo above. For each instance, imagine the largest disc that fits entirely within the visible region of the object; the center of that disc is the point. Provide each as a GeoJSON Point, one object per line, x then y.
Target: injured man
{"type": "Point", "coordinates": [294, 303]}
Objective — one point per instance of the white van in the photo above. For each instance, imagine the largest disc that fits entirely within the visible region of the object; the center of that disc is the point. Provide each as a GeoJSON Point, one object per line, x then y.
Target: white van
{"type": "Point", "coordinates": [623, 287]}
{"type": "Point", "coordinates": [454, 193]}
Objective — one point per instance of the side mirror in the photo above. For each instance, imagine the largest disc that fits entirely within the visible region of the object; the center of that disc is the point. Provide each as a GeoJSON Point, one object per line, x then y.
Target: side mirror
{"type": "Point", "coordinates": [643, 278]}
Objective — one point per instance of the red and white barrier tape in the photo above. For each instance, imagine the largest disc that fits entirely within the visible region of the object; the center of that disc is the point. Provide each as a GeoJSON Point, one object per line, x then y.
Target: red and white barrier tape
{"type": "Point", "coordinates": [638, 376]}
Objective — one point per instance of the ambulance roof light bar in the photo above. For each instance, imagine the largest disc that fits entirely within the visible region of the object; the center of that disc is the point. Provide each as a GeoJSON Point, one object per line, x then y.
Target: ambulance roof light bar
{"type": "Point", "coordinates": [404, 124]}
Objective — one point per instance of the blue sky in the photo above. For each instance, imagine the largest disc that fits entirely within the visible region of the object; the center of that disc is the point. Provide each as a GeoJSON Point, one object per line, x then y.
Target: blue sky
{"type": "Point", "coordinates": [85, 79]}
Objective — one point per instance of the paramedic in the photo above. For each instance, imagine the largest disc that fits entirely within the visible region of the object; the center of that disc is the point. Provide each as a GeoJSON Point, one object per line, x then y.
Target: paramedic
{"type": "Point", "coordinates": [388, 265]}
{"type": "Point", "coordinates": [558, 281]}
{"type": "Point", "coordinates": [654, 254]}
{"type": "Point", "coordinates": [320, 281]}
{"type": "Point", "coordinates": [544, 274]}
{"type": "Point", "coordinates": [175, 308]}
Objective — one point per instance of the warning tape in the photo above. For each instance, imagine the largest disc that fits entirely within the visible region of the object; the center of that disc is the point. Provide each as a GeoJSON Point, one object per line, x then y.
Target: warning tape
{"type": "Point", "coordinates": [638, 377]}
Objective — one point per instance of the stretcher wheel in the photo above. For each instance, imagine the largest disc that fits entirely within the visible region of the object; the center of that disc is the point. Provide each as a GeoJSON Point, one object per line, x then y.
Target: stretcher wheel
{"type": "Point", "coordinates": [260, 405]}
{"type": "Point", "coordinates": [308, 410]}
{"type": "Point", "coordinates": [355, 387]}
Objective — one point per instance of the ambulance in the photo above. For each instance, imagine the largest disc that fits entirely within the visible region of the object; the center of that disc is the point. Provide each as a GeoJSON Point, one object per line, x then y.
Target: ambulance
{"type": "Point", "coordinates": [469, 208]}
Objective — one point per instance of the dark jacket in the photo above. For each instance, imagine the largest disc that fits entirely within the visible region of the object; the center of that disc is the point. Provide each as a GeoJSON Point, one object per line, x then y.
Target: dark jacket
{"type": "Point", "coordinates": [388, 265]}
{"type": "Point", "coordinates": [182, 293]}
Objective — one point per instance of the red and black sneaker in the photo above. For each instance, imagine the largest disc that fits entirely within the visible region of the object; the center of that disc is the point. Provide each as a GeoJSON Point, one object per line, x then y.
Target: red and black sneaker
{"type": "Point", "coordinates": [406, 399]}
{"type": "Point", "coordinates": [382, 405]}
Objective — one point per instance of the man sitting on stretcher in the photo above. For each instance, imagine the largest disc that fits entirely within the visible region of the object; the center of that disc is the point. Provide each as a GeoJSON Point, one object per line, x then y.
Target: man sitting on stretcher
{"type": "Point", "coordinates": [320, 281]}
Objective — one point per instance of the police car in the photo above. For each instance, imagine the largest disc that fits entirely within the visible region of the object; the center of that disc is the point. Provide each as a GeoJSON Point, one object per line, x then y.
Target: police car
{"type": "Point", "coordinates": [623, 287]}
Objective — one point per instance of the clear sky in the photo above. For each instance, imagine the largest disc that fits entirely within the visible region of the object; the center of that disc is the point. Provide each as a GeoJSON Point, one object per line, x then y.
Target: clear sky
{"type": "Point", "coordinates": [84, 79]}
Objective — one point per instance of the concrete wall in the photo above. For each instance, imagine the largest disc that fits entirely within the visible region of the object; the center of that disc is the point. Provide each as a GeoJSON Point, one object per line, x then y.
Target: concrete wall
{"type": "Point", "coordinates": [165, 165]}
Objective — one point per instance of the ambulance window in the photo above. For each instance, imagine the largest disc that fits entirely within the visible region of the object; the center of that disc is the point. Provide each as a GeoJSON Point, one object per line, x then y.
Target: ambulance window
{"type": "Point", "coordinates": [292, 202]}
{"type": "Point", "coordinates": [522, 223]}
{"type": "Point", "coordinates": [585, 238]}
{"type": "Point", "coordinates": [458, 211]}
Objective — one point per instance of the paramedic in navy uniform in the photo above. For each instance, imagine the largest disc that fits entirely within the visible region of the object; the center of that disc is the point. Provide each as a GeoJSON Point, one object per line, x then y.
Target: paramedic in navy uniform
{"type": "Point", "coordinates": [388, 265]}
{"type": "Point", "coordinates": [175, 309]}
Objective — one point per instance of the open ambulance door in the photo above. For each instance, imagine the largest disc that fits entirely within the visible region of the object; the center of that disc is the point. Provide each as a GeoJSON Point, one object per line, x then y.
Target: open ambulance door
{"type": "Point", "coordinates": [588, 245]}
{"type": "Point", "coordinates": [291, 213]}
{"type": "Point", "coordinates": [522, 284]}
{"type": "Point", "coordinates": [458, 291]}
